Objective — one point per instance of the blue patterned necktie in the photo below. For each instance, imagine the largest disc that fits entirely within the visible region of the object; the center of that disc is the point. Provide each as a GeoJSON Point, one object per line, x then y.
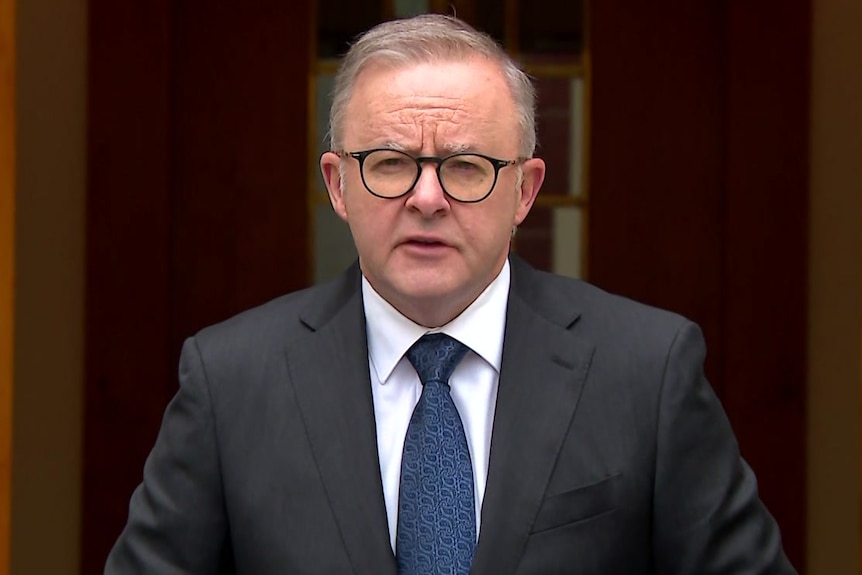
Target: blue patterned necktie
{"type": "Point", "coordinates": [436, 515]}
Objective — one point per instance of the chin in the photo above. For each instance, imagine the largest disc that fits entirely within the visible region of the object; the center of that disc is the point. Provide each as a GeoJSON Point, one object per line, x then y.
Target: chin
{"type": "Point", "coordinates": [425, 290]}
{"type": "Point", "coordinates": [424, 286]}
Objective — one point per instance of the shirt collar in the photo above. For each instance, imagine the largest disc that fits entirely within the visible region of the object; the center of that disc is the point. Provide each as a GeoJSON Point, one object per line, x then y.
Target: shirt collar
{"type": "Point", "coordinates": [480, 327]}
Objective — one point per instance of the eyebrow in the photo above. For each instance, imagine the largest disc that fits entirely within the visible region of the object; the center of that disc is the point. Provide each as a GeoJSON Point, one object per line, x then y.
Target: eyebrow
{"type": "Point", "coordinates": [459, 148]}
{"type": "Point", "coordinates": [394, 146]}
{"type": "Point", "coordinates": [449, 148]}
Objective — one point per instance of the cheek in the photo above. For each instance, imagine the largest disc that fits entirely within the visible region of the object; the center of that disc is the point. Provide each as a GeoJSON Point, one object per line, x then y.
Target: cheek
{"type": "Point", "coordinates": [370, 222]}
{"type": "Point", "coordinates": [356, 204]}
{"type": "Point", "coordinates": [505, 211]}
{"type": "Point", "coordinates": [489, 231]}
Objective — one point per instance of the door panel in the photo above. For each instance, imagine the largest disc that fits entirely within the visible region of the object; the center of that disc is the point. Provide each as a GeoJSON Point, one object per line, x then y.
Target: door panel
{"type": "Point", "coordinates": [698, 191]}
{"type": "Point", "coordinates": [196, 208]}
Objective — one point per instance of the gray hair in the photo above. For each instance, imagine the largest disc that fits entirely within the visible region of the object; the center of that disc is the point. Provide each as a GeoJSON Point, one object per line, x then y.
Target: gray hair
{"type": "Point", "coordinates": [426, 38]}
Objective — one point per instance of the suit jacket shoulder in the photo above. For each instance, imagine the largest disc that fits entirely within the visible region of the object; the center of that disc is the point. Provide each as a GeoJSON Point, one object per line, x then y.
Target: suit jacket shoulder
{"type": "Point", "coordinates": [609, 321]}
{"type": "Point", "coordinates": [281, 320]}
{"type": "Point", "coordinates": [647, 476]}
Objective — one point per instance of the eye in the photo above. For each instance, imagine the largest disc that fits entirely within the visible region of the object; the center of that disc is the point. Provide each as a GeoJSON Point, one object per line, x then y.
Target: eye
{"type": "Point", "coordinates": [389, 161]}
{"type": "Point", "coordinates": [467, 166]}
{"type": "Point", "coordinates": [464, 165]}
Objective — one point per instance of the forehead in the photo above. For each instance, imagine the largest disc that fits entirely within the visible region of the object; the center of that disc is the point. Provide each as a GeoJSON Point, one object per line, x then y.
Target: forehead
{"type": "Point", "coordinates": [461, 104]}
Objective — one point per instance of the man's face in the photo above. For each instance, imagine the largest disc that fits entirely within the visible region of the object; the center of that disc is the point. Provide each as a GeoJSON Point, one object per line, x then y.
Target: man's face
{"type": "Point", "coordinates": [425, 253]}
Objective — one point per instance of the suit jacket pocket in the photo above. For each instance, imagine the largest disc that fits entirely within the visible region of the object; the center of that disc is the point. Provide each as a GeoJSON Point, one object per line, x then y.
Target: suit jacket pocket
{"type": "Point", "coordinates": [578, 504]}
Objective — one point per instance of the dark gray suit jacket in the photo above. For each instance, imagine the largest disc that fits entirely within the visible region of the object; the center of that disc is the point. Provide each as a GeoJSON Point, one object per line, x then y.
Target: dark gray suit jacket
{"type": "Point", "coordinates": [610, 453]}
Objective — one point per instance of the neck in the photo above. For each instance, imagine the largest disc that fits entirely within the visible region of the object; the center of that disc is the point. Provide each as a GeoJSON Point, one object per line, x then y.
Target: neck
{"type": "Point", "coordinates": [432, 314]}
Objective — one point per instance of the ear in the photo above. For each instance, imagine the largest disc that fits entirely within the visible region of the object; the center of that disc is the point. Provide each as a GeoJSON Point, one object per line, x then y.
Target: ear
{"type": "Point", "coordinates": [533, 171]}
{"type": "Point", "coordinates": [329, 167]}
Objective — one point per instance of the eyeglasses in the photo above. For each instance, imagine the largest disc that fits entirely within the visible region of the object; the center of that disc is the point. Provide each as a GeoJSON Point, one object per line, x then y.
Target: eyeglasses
{"type": "Point", "coordinates": [467, 178]}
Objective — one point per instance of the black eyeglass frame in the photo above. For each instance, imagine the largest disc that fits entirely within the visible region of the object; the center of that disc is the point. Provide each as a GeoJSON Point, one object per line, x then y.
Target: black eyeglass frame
{"type": "Point", "coordinates": [361, 155]}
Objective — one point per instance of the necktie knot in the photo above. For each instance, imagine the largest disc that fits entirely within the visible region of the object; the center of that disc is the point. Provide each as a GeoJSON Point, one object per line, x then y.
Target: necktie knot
{"type": "Point", "coordinates": [435, 355]}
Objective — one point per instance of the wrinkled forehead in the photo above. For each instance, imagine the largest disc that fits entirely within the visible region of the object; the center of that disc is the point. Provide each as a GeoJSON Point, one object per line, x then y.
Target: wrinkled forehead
{"type": "Point", "coordinates": [462, 78]}
{"type": "Point", "coordinates": [456, 103]}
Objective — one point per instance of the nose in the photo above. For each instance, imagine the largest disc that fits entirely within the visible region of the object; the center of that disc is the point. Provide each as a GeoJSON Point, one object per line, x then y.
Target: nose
{"type": "Point", "coordinates": [427, 196]}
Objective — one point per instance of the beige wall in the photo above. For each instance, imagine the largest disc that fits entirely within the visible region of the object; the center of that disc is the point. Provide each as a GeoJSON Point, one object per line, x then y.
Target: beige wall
{"type": "Point", "coordinates": [49, 287]}
{"type": "Point", "coordinates": [835, 297]}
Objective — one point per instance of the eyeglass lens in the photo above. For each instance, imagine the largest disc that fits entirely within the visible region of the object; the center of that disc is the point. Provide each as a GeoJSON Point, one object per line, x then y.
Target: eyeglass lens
{"type": "Point", "coordinates": [390, 173]}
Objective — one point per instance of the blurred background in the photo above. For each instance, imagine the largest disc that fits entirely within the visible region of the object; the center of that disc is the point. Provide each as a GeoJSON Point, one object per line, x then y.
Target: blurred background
{"type": "Point", "coordinates": [158, 173]}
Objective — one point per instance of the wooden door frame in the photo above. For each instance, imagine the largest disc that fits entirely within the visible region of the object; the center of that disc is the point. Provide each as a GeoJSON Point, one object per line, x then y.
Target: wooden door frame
{"type": "Point", "coordinates": [7, 268]}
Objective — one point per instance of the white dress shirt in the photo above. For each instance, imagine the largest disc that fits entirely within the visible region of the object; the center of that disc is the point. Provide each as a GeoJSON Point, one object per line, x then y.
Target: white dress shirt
{"type": "Point", "coordinates": [396, 387]}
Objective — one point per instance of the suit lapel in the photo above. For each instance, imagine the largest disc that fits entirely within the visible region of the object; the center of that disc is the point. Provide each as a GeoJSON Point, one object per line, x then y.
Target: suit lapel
{"type": "Point", "coordinates": [543, 370]}
{"type": "Point", "coordinates": [329, 370]}
{"type": "Point", "coordinates": [541, 377]}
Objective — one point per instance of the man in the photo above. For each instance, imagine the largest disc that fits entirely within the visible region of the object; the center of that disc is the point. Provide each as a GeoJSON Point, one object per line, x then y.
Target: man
{"type": "Point", "coordinates": [543, 427]}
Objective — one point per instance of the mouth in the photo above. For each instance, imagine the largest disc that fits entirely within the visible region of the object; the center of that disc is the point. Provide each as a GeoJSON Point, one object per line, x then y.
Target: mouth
{"type": "Point", "coordinates": [431, 242]}
{"type": "Point", "coordinates": [425, 244]}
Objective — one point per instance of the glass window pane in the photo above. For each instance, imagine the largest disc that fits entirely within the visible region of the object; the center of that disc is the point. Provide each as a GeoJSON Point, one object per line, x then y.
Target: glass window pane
{"type": "Point", "coordinates": [577, 145]}
{"type": "Point", "coordinates": [491, 19]}
{"type": "Point", "coordinates": [552, 239]}
{"type": "Point", "coordinates": [551, 27]}
{"type": "Point", "coordinates": [407, 8]}
{"type": "Point", "coordinates": [333, 244]}
{"type": "Point", "coordinates": [340, 21]}
{"type": "Point", "coordinates": [568, 234]}
{"type": "Point", "coordinates": [533, 241]}
{"type": "Point", "coordinates": [560, 119]}
{"type": "Point", "coordinates": [324, 83]}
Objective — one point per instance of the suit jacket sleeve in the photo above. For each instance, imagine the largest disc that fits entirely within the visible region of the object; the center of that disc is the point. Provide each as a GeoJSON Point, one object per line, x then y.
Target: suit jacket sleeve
{"type": "Point", "coordinates": [177, 523]}
{"type": "Point", "coordinates": [708, 518]}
